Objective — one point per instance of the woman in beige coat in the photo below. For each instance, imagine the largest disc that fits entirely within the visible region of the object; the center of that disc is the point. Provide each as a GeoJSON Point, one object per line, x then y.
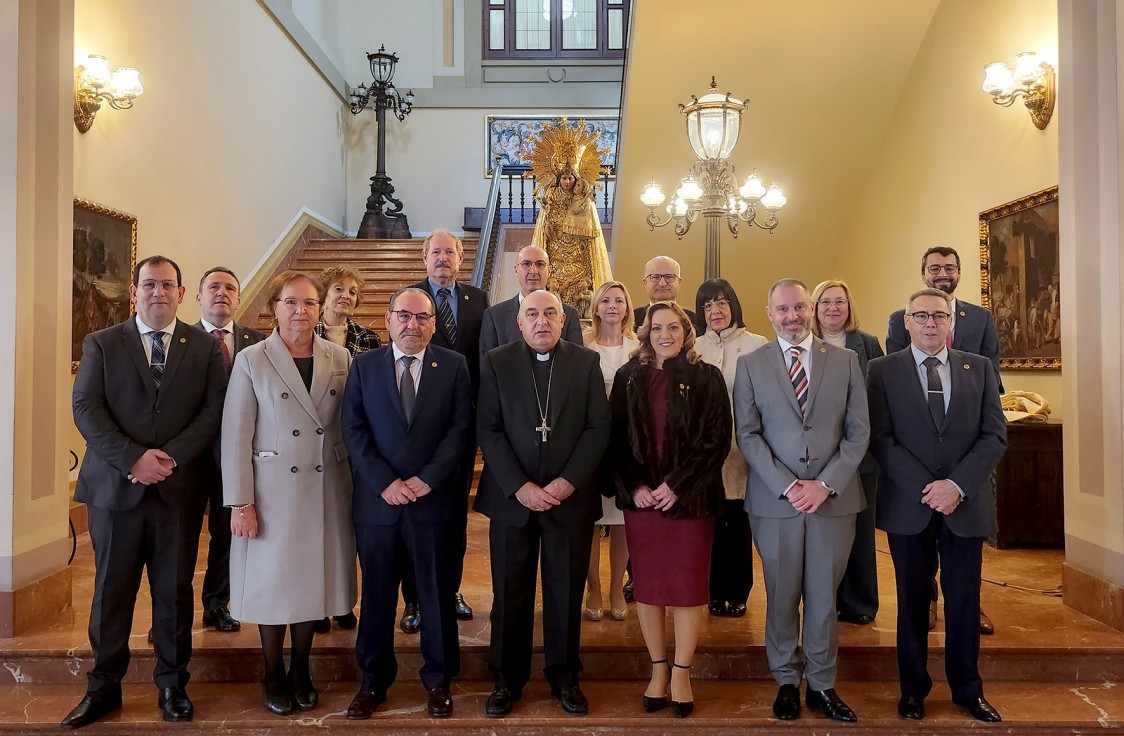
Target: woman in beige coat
{"type": "Point", "coordinates": [287, 481]}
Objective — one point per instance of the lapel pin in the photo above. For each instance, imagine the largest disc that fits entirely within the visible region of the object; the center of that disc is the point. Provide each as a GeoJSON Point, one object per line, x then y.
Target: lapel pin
{"type": "Point", "coordinates": [739, 350]}
{"type": "Point", "coordinates": [466, 297]}
{"type": "Point", "coordinates": [433, 364]}
{"type": "Point", "coordinates": [245, 337]}
{"type": "Point", "coordinates": [823, 349]}
{"type": "Point", "coordinates": [962, 313]}
{"type": "Point", "coordinates": [967, 367]}
{"type": "Point", "coordinates": [327, 353]}
{"type": "Point", "coordinates": [682, 386]}
{"type": "Point", "coordinates": [183, 340]}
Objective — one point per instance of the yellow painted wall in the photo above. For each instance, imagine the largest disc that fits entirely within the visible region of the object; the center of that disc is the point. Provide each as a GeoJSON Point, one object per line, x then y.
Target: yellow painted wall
{"type": "Point", "coordinates": [949, 154]}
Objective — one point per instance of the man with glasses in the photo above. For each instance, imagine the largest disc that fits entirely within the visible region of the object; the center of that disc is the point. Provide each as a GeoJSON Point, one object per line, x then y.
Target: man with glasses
{"type": "Point", "coordinates": [971, 329]}
{"type": "Point", "coordinates": [936, 448]}
{"type": "Point", "coordinates": [148, 400]}
{"type": "Point", "coordinates": [406, 462]}
{"type": "Point", "coordinates": [662, 277]}
{"type": "Point", "coordinates": [460, 313]}
{"type": "Point", "coordinates": [532, 271]}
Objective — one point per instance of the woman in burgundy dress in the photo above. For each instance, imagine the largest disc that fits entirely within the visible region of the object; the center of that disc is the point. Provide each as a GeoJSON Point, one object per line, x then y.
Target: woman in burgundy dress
{"type": "Point", "coordinates": [671, 433]}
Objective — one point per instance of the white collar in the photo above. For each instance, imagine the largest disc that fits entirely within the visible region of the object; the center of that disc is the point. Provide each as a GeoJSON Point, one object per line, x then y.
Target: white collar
{"type": "Point", "coordinates": [210, 328]}
{"type": "Point", "coordinates": [805, 344]}
{"type": "Point", "coordinates": [919, 356]}
{"type": "Point", "coordinates": [398, 354]}
{"type": "Point", "coordinates": [145, 329]}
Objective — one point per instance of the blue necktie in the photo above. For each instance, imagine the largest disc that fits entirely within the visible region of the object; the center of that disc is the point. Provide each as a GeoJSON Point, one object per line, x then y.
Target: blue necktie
{"type": "Point", "coordinates": [159, 357]}
{"type": "Point", "coordinates": [445, 313]}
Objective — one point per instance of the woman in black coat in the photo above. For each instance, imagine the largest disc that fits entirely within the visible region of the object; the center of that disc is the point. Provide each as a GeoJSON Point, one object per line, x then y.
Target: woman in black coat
{"type": "Point", "coordinates": [671, 433]}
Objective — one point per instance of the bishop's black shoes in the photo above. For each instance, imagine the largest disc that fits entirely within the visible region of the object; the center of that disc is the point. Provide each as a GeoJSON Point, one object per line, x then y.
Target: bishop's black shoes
{"type": "Point", "coordinates": [831, 704]}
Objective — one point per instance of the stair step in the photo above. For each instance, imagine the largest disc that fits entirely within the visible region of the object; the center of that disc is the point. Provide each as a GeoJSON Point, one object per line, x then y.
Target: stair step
{"type": "Point", "coordinates": [721, 707]}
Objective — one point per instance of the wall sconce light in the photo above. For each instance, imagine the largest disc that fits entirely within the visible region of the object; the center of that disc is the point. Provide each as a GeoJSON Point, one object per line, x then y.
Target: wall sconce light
{"type": "Point", "coordinates": [94, 83]}
{"type": "Point", "coordinates": [1032, 79]}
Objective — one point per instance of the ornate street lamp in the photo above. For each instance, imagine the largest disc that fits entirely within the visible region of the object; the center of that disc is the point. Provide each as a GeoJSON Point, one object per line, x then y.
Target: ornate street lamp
{"type": "Point", "coordinates": [710, 188]}
{"type": "Point", "coordinates": [390, 223]}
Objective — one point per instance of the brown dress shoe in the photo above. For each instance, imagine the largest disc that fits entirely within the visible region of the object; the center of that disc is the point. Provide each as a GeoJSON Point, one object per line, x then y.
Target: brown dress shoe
{"type": "Point", "coordinates": [364, 704]}
{"type": "Point", "coordinates": [439, 703]}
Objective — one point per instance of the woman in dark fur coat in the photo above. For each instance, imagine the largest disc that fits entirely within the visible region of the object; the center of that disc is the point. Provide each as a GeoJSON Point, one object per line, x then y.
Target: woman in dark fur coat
{"type": "Point", "coordinates": [671, 433]}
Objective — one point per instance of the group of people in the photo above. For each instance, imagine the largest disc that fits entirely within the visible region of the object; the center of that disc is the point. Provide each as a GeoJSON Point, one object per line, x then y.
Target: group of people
{"type": "Point", "coordinates": [689, 436]}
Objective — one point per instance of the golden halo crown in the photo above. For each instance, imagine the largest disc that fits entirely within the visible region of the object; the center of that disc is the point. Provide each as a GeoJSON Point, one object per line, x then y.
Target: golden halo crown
{"type": "Point", "coordinates": [560, 147]}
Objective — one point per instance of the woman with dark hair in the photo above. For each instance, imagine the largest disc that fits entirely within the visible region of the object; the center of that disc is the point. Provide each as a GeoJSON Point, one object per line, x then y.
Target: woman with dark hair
{"type": "Point", "coordinates": [671, 431]}
{"type": "Point", "coordinates": [288, 484]}
{"type": "Point", "coordinates": [835, 321]}
{"type": "Point", "coordinates": [724, 339]}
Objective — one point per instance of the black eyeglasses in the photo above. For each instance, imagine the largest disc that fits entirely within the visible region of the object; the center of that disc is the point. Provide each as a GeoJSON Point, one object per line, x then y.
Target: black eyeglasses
{"type": "Point", "coordinates": [404, 317]}
{"type": "Point", "coordinates": [949, 268]}
{"type": "Point", "coordinates": [939, 318]}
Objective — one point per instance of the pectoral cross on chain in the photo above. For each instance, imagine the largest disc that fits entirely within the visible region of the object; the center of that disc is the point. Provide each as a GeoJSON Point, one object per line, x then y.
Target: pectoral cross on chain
{"type": "Point", "coordinates": [545, 429]}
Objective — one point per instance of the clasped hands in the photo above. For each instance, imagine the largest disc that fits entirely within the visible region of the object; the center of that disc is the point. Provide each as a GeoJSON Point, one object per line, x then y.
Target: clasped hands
{"type": "Point", "coordinates": [661, 499]}
{"type": "Point", "coordinates": [402, 492]}
{"type": "Point", "coordinates": [546, 497]}
{"type": "Point", "coordinates": [942, 496]}
{"type": "Point", "coordinates": [152, 467]}
{"type": "Point", "coordinates": [808, 495]}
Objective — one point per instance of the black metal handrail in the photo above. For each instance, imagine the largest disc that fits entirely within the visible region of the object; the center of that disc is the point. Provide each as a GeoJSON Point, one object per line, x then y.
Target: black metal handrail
{"type": "Point", "coordinates": [482, 268]}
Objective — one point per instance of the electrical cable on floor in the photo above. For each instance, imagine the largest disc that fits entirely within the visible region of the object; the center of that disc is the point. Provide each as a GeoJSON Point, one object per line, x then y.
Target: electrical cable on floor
{"type": "Point", "coordinates": [1055, 592]}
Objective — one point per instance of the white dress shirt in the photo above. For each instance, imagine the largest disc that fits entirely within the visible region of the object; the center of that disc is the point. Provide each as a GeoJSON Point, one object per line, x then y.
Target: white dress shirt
{"type": "Point", "coordinates": [415, 367]}
{"type": "Point", "coordinates": [227, 337]}
{"type": "Point", "coordinates": [146, 341]}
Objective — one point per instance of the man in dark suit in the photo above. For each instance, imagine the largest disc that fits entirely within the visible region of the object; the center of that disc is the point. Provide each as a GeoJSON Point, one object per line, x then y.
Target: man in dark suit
{"type": "Point", "coordinates": [662, 277]}
{"type": "Point", "coordinates": [532, 270]}
{"type": "Point", "coordinates": [972, 330]}
{"type": "Point", "coordinates": [801, 414]}
{"type": "Point", "coordinates": [148, 400]}
{"type": "Point", "coordinates": [460, 312]}
{"type": "Point", "coordinates": [406, 468]}
{"type": "Point", "coordinates": [218, 300]}
{"type": "Point", "coordinates": [543, 423]}
{"type": "Point", "coordinates": [937, 432]}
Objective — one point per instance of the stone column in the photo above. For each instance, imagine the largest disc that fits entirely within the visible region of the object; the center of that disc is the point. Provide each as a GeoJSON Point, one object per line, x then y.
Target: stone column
{"type": "Point", "coordinates": [36, 193]}
{"type": "Point", "coordinates": [1091, 51]}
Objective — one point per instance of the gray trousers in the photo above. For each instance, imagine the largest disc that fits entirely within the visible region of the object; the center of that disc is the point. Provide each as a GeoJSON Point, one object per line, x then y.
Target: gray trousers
{"type": "Point", "coordinates": [802, 558]}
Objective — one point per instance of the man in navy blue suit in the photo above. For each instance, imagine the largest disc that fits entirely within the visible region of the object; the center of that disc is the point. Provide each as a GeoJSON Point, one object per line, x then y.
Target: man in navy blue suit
{"type": "Point", "coordinates": [405, 418]}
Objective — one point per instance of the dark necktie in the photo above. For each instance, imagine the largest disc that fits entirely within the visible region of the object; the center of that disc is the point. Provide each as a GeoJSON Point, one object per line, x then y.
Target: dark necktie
{"type": "Point", "coordinates": [799, 378]}
{"type": "Point", "coordinates": [445, 314]}
{"type": "Point", "coordinates": [220, 336]}
{"type": "Point", "coordinates": [406, 391]}
{"type": "Point", "coordinates": [159, 357]}
{"type": "Point", "coordinates": [935, 391]}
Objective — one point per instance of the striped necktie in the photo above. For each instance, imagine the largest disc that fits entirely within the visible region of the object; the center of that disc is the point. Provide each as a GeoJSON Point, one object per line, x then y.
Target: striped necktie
{"type": "Point", "coordinates": [445, 314]}
{"type": "Point", "coordinates": [799, 378]}
{"type": "Point", "coordinates": [159, 357]}
{"type": "Point", "coordinates": [220, 337]}
{"type": "Point", "coordinates": [934, 390]}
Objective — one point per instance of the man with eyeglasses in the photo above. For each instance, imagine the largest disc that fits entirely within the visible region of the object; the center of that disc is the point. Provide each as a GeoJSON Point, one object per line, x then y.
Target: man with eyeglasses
{"type": "Point", "coordinates": [459, 315]}
{"type": "Point", "coordinates": [532, 271]}
{"type": "Point", "coordinates": [936, 448]}
{"type": "Point", "coordinates": [148, 400]}
{"type": "Point", "coordinates": [662, 277]}
{"type": "Point", "coordinates": [406, 458]}
{"type": "Point", "coordinates": [218, 299]}
{"type": "Point", "coordinates": [971, 329]}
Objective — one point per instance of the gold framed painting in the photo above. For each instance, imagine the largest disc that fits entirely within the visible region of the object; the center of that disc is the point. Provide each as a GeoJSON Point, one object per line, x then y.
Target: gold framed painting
{"type": "Point", "coordinates": [105, 253]}
{"type": "Point", "coordinates": [1019, 278]}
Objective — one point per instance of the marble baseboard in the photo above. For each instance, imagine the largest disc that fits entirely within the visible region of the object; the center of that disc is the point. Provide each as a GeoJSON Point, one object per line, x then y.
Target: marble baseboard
{"type": "Point", "coordinates": [34, 604]}
{"type": "Point", "coordinates": [1093, 596]}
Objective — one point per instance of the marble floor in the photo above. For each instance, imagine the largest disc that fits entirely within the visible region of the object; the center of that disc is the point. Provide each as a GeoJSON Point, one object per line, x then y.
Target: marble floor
{"type": "Point", "coordinates": [1048, 668]}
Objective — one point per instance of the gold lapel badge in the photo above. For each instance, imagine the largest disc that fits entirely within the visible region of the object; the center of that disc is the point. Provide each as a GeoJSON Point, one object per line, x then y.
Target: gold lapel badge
{"type": "Point", "coordinates": [183, 340]}
{"type": "Point", "coordinates": [967, 367]}
{"type": "Point", "coordinates": [433, 364]}
{"type": "Point", "coordinates": [963, 313]}
{"type": "Point", "coordinates": [823, 349]}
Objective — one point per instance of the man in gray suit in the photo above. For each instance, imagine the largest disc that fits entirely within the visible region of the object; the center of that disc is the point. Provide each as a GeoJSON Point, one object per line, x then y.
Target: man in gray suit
{"type": "Point", "coordinates": [532, 269]}
{"type": "Point", "coordinates": [937, 431]}
{"type": "Point", "coordinates": [218, 300]}
{"type": "Point", "coordinates": [801, 415]}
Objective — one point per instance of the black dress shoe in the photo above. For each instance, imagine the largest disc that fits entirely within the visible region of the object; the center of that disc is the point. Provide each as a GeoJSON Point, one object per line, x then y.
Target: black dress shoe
{"type": "Point", "coordinates": [572, 698]}
{"type": "Point", "coordinates": [736, 610]}
{"type": "Point", "coordinates": [364, 704]}
{"type": "Point", "coordinates": [629, 591]}
{"type": "Point", "coordinates": [911, 707]}
{"type": "Point", "coordinates": [860, 619]}
{"type": "Point", "coordinates": [93, 706]}
{"type": "Point", "coordinates": [275, 696]}
{"type": "Point", "coordinates": [787, 705]}
{"type": "Point", "coordinates": [175, 704]}
{"type": "Point", "coordinates": [305, 696]}
{"type": "Point", "coordinates": [347, 622]}
{"type": "Point", "coordinates": [439, 703]}
{"type": "Point", "coordinates": [717, 608]}
{"type": "Point", "coordinates": [986, 627]}
{"type": "Point", "coordinates": [980, 709]}
{"type": "Point", "coordinates": [500, 702]}
{"type": "Point", "coordinates": [831, 704]}
{"type": "Point", "coordinates": [323, 626]}
{"type": "Point", "coordinates": [464, 612]}
{"type": "Point", "coordinates": [220, 618]}
{"type": "Point", "coordinates": [411, 619]}
{"type": "Point", "coordinates": [150, 637]}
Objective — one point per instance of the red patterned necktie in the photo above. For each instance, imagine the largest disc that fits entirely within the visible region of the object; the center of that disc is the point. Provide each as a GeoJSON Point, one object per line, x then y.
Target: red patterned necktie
{"type": "Point", "coordinates": [799, 378]}
{"type": "Point", "coordinates": [220, 336]}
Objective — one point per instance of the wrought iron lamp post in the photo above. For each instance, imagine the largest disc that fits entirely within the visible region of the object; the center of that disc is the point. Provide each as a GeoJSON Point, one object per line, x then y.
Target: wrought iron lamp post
{"type": "Point", "coordinates": [710, 188]}
{"type": "Point", "coordinates": [384, 217]}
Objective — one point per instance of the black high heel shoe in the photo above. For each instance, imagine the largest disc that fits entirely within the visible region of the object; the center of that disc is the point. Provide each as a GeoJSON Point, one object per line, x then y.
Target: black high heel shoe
{"type": "Point", "coordinates": [651, 705]}
{"type": "Point", "coordinates": [682, 709]}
